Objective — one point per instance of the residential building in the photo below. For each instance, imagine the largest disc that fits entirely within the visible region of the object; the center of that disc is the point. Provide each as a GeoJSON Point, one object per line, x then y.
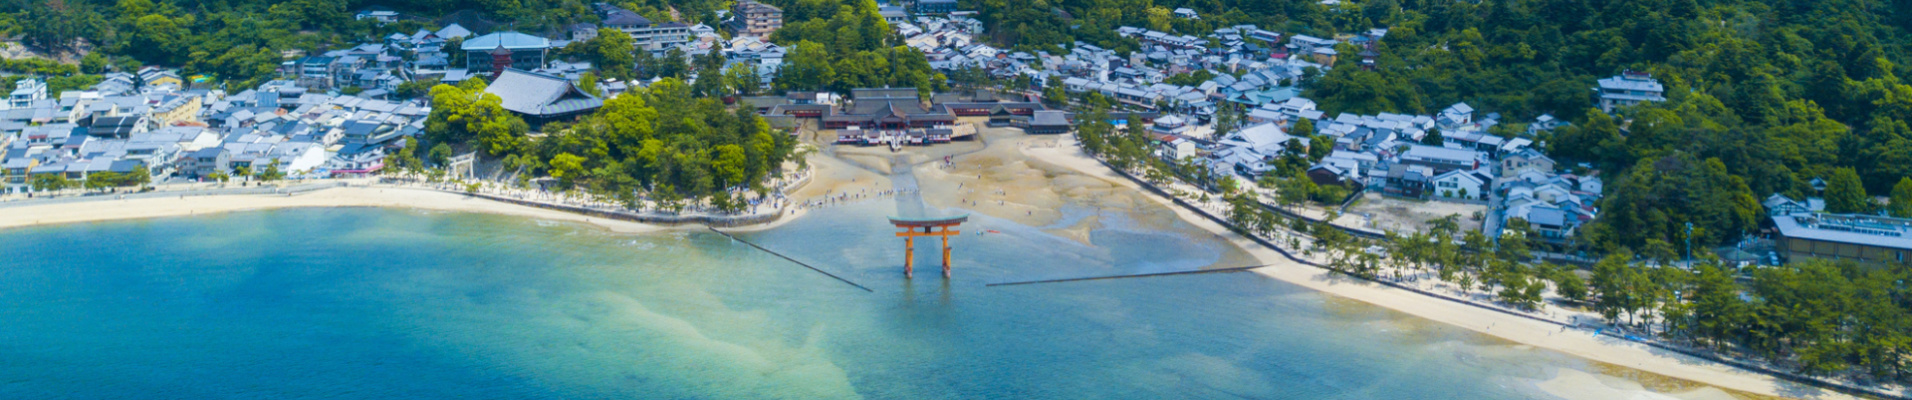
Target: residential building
{"type": "Point", "coordinates": [935, 7]}
{"type": "Point", "coordinates": [1629, 88]}
{"type": "Point", "coordinates": [118, 127]}
{"type": "Point", "coordinates": [894, 14]}
{"type": "Point", "coordinates": [316, 71]}
{"type": "Point", "coordinates": [646, 35]}
{"type": "Point", "coordinates": [1442, 159]}
{"type": "Point", "coordinates": [583, 31]}
{"type": "Point", "coordinates": [1526, 160]}
{"type": "Point", "coordinates": [1779, 204]}
{"type": "Point", "coordinates": [1462, 185]}
{"type": "Point", "coordinates": [157, 77]}
{"type": "Point", "coordinates": [1304, 44]}
{"type": "Point", "coordinates": [178, 109]}
{"type": "Point", "coordinates": [25, 92]}
{"type": "Point", "coordinates": [1324, 55]}
{"type": "Point", "coordinates": [754, 19]}
{"type": "Point", "coordinates": [1411, 181]}
{"type": "Point", "coordinates": [380, 14]}
{"type": "Point", "coordinates": [205, 162]}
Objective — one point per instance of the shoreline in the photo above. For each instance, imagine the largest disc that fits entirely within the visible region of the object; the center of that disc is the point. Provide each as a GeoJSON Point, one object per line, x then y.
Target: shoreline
{"type": "Point", "coordinates": [1063, 154]}
{"type": "Point", "coordinates": [355, 196]}
{"type": "Point", "coordinates": [1516, 329]}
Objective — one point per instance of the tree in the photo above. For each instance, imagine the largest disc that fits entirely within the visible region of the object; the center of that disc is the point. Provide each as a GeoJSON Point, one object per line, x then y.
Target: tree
{"type": "Point", "coordinates": [50, 182]}
{"type": "Point", "coordinates": [1901, 200]}
{"type": "Point", "coordinates": [1054, 92]}
{"type": "Point", "coordinates": [807, 68]}
{"type": "Point", "coordinates": [139, 176]}
{"type": "Point", "coordinates": [1613, 280]}
{"type": "Point", "coordinates": [102, 180]}
{"type": "Point", "coordinates": [414, 89]}
{"type": "Point", "coordinates": [645, 63]}
{"type": "Point", "coordinates": [729, 164]}
{"type": "Point", "coordinates": [1433, 138]}
{"type": "Point", "coordinates": [1304, 127]}
{"type": "Point", "coordinates": [405, 159]}
{"type": "Point", "coordinates": [1659, 251]}
{"type": "Point", "coordinates": [588, 82]}
{"type": "Point", "coordinates": [1845, 194]}
{"type": "Point", "coordinates": [93, 63]}
{"type": "Point", "coordinates": [611, 52]}
{"type": "Point", "coordinates": [1659, 196]}
{"type": "Point", "coordinates": [1717, 307]}
{"type": "Point", "coordinates": [440, 155]}
{"type": "Point", "coordinates": [271, 173]}
{"type": "Point", "coordinates": [568, 168]}
{"type": "Point", "coordinates": [1569, 285]}
{"type": "Point", "coordinates": [1319, 147]}
{"type": "Point", "coordinates": [711, 82]}
{"type": "Point", "coordinates": [466, 114]}
{"type": "Point", "coordinates": [743, 78]}
{"type": "Point", "coordinates": [159, 38]}
{"type": "Point", "coordinates": [675, 64]}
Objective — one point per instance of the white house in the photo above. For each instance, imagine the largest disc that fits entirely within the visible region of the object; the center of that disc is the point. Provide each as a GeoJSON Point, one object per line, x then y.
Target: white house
{"type": "Point", "coordinates": [1629, 88]}
{"type": "Point", "coordinates": [299, 157]}
{"type": "Point", "coordinates": [1462, 184]}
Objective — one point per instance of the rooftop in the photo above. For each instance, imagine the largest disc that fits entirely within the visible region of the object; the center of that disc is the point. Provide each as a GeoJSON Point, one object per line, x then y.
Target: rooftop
{"type": "Point", "coordinates": [509, 40]}
{"type": "Point", "coordinates": [541, 95]}
{"type": "Point", "coordinates": [1843, 228]}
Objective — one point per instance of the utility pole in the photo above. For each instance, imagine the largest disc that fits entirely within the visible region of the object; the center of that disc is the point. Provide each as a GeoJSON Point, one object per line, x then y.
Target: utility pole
{"type": "Point", "coordinates": [1689, 242]}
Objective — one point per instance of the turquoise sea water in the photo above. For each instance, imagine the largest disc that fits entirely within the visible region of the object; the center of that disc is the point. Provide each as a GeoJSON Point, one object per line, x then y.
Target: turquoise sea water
{"type": "Point", "coordinates": [378, 303]}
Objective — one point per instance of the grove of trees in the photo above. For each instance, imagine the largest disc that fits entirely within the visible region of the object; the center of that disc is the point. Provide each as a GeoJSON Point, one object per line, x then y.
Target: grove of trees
{"type": "Point", "coordinates": [664, 143]}
{"type": "Point", "coordinates": [838, 45]}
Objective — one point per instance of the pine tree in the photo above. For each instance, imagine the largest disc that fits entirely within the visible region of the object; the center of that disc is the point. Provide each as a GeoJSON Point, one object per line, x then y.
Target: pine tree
{"type": "Point", "coordinates": [1901, 200]}
{"type": "Point", "coordinates": [1845, 194]}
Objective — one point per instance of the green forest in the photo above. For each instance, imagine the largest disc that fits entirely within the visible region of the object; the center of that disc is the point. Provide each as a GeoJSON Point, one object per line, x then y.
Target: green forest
{"type": "Point", "coordinates": [677, 147]}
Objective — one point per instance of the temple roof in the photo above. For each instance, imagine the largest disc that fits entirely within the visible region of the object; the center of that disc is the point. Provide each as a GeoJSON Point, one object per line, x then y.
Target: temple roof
{"type": "Point", "coordinates": [540, 95]}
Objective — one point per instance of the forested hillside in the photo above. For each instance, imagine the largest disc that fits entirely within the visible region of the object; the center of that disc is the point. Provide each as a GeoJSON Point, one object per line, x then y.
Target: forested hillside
{"type": "Point", "coordinates": [1764, 95]}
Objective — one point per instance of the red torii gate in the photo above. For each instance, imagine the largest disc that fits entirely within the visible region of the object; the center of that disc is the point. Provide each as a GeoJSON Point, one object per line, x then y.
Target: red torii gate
{"type": "Point", "coordinates": [930, 227]}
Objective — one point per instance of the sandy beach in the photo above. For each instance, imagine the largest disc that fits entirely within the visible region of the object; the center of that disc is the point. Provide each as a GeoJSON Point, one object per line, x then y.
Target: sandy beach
{"type": "Point", "coordinates": [111, 210]}
{"type": "Point", "coordinates": [1516, 329]}
{"type": "Point", "coordinates": [1030, 180]}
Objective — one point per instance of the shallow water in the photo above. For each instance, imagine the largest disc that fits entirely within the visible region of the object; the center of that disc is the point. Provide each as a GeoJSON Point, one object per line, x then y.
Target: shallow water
{"type": "Point", "coordinates": [376, 303]}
